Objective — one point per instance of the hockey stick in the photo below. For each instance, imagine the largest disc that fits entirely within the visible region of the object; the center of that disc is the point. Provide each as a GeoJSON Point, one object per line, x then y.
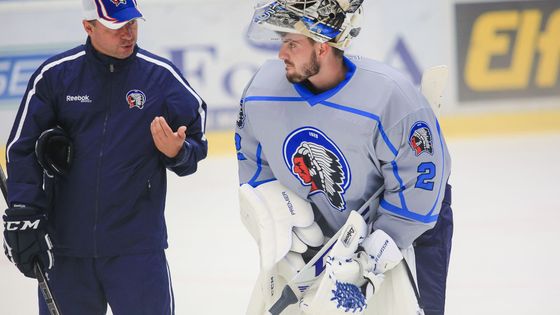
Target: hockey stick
{"type": "Point", "coordinates": [295, 288]}
{"type": "Point", "coordinates": [43, 284]}
{"type": "Point", "coordinates": [433, 84]}
{"type": "Point", "coordinates": [3, 185]}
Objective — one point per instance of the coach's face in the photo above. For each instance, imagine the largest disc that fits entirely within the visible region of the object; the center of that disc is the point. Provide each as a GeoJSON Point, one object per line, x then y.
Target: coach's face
{"type": "Point", "coordinates": [299, 54]}
{"type": "Point", "coordinates": [115, 43]}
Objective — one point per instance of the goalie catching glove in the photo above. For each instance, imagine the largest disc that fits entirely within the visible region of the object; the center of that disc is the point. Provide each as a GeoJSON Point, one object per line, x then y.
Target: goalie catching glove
{"type": "Point", "coordinates": [26, 239]}
{"type": "Point", "coordinates": [351, 279]}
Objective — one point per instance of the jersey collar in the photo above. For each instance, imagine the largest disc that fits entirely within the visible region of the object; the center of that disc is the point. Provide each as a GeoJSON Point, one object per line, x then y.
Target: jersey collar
{"type": "Point", "coordinates": [313, 99]}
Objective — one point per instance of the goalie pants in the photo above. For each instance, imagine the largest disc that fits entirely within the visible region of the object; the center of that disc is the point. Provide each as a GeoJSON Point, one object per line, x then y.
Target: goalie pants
{"type": "Point", "coordinates": [432, 250]}
{"type": "Point", "coordinates": [131, 284]}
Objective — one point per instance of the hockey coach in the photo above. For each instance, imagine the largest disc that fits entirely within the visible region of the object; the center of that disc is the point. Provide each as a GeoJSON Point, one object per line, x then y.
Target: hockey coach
{"type": "Point", "coordinates": [113, 118]}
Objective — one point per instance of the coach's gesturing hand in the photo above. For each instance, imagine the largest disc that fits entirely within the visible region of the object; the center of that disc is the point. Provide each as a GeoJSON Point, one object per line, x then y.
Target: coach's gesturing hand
{"type": "Point", "coordinates": [167, 141]}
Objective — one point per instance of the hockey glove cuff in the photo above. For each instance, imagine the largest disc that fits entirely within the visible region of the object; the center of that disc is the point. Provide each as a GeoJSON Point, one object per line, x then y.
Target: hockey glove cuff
{"type": "Point", "coordinates": [383, 252]}
{"type": "Point", "coordinates": [26, 239]}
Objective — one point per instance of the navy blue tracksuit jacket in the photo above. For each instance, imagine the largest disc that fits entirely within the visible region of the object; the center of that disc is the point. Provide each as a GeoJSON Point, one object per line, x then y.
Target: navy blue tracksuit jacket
{"type": "Point", "coordinates": [112, 201]}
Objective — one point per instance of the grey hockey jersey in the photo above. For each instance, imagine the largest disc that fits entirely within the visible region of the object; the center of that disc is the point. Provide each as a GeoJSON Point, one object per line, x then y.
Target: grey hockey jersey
{"type": "Point", "coordinates": [338, 147]}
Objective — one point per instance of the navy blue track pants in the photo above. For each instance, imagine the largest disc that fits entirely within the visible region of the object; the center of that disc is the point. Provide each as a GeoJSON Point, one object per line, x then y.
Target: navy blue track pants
{"type": "Point", "coordinates": [130, 284]}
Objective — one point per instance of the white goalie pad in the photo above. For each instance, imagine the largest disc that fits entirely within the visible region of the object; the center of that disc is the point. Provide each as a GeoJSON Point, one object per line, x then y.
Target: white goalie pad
{"type": "Point", "coordinates": [270, 283]}
{"type": "Point", "coordinates": [396, 295]}
{"type": "Point", "coordinates": [271, 213]}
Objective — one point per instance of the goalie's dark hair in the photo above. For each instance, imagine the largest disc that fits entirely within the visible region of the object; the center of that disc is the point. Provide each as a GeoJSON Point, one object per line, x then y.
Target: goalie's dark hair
{"type": "Point", "coordinates": [339, 53]}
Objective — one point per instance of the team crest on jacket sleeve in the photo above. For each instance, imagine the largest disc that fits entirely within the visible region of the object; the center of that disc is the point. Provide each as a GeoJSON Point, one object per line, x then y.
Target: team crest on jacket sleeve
{"type": "Point", "coordinates": [136, 98]}
{"type": "Point", "coordinates": [420, 138]}
{"type": "Point", "coordinates": [316, 161]}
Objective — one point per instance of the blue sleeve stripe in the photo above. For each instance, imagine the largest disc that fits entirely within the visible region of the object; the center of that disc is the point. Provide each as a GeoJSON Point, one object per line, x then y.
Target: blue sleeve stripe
{"type": "Point", "coordinates": [401, 184]}
{"type": "Point", "coordinates": [31, 92]}
{"type": "Point", "coordinates": [274, 99]}
{"type": "Point", "coordinates": [258, 183]}
{"type": "Point", "coordinates": [176, 75]}
{"type": "Point", "coordinates": [428, 218]}
{"type": "Point", "coordinates": [259, 166]}
{"type": "Point", "coordinates": [254, 181]}
{"type": "Point", "coordinates": [367, 115]}
{"type": "Point", "coordinates": [351, 110]}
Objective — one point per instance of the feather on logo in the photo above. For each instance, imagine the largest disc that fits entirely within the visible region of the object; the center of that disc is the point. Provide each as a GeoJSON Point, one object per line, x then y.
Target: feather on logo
{"type": "Point", "coordinates": [420, 138]}
{"type": "Point", "coordinates": [136, 98]}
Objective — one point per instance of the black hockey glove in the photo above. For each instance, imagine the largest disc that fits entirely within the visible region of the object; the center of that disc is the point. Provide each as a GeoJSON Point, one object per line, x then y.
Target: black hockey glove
{"type": "Point", "coordinates": [26, 239]}
{"type": "Point", "coordinates": [54, 151]}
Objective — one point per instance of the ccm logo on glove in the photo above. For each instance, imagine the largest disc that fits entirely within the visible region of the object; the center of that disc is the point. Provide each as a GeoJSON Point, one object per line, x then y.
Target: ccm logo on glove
{"type": "Point", "coordinates": [21, 225]}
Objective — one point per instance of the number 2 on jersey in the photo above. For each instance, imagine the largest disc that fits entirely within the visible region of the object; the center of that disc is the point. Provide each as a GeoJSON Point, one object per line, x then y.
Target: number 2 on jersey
{"type": "Point", "coordinates": [427, 172]}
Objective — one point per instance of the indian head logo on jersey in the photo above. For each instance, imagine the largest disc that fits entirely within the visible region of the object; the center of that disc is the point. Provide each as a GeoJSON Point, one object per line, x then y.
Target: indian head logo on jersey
{"type": "Point", "coordinates": [420, 138]}
{"type": "Point", "coordinates": [136, 98]}
{"type": "Point", "coordinates": [317, 162]}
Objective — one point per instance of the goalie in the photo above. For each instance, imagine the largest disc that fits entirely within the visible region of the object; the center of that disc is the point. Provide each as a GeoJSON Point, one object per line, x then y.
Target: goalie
{"type": "Point", "coordinates": [320, 134]}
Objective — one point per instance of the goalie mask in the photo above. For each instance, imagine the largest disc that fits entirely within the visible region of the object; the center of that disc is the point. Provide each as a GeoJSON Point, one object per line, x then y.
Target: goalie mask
{"type": "Point", "coordinates": [333, 21]}
{"type": "Point", "coordinates": [54, 151]}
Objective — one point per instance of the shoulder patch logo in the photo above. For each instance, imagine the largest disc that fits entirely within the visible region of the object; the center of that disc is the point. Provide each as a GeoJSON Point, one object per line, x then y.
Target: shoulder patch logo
{"type": "Point", "coordinates": [420, 138]}
{"type": "Point", "coordinates": [316, 161]}
{"type": "Point", "coordinates": [136, 98]}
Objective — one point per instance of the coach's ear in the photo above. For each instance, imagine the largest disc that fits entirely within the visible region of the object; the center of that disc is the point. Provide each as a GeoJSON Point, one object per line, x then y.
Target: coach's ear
{"type": "Point", "coordinates": [88, 26]}
{"type": "Point", "coordinates": [54, 151]}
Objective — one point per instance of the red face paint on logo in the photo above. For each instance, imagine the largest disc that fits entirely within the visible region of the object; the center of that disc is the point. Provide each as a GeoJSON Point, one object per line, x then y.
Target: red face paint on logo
{"type": "Point", "coordinates": [317, 162]}
{"type": "Point", "coordinates": [420, 138]}
{"type": "Point", "coordinates": [136, 98]}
